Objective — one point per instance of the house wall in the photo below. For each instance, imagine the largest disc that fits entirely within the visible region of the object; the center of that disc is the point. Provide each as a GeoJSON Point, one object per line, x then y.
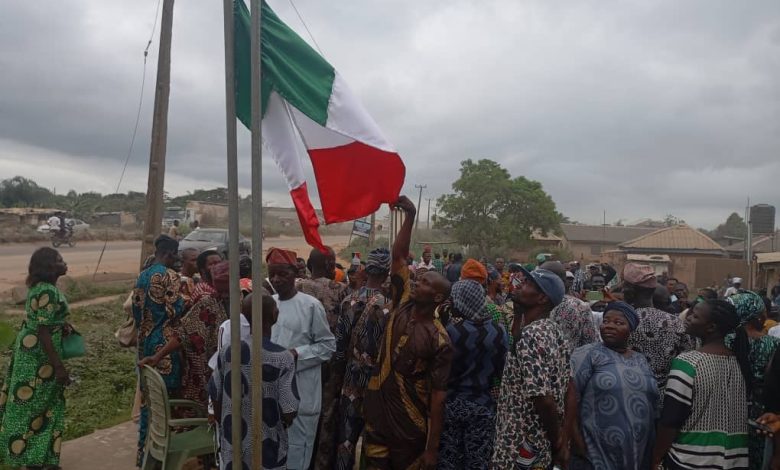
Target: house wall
{"type": "Point", "coordinates": [714, 271]}
{"type": "Point", "coordinates": [209, 214]}
{"type": "Point", "coordinates": [694, 270]}
{"type": "Point", "coordinates": [589, 251]}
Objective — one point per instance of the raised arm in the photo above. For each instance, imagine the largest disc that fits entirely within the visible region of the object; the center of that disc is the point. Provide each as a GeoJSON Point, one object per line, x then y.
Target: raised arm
{"type": "Point", "coordinates": [404, 237]}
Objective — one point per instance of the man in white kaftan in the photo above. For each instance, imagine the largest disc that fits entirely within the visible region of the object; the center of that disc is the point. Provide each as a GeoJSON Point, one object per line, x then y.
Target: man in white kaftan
{"type": "Point", "coordinates": [302, 327]}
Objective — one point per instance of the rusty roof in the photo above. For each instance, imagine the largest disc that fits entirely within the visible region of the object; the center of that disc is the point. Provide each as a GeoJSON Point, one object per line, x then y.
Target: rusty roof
{"type": "Point", "coordinates": [677, 238]}
{"type": "Point", "coordinates": [610, 234]}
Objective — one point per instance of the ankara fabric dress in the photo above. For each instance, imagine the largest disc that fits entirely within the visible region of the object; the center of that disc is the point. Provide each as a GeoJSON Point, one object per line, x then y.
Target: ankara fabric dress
{"type": "Point", "coordinates": [32, 404]}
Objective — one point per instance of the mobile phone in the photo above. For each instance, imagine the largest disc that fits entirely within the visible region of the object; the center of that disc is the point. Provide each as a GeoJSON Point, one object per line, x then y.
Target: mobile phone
{"type": "Point", "coordinates": [761, 427]}
{"type": "Point", "coordinates": [593, 295]}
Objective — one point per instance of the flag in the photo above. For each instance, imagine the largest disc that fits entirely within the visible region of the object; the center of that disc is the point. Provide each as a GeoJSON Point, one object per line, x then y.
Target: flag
{"type": "Point", "coordinates": [307, 106]}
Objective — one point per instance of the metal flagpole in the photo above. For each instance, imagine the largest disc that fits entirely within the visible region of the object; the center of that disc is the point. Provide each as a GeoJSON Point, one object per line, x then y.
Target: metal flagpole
{"type": "Point", "coordinates": [232, 177]}
{"type": "Point", "coordinates": [257, 242]}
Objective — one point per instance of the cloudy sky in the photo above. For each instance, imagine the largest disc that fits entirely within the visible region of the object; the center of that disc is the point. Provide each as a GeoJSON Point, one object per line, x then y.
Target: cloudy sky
{"type": "Point", "coordinates": [637, 107]}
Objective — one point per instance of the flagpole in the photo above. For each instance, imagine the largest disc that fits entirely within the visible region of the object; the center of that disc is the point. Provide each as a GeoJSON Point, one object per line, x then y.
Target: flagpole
{"type": "Point", "coordinates": [257, 240]}
{"type": "Point", "coordinates": [232, 180]}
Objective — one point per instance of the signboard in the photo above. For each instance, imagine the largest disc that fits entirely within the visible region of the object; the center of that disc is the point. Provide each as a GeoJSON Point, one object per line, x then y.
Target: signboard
{"type": "Point", "coordinates": [361, 228]}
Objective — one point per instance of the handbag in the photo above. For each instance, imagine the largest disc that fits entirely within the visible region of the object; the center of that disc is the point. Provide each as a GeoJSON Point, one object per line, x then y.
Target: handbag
{"type": "Point", "coordinates": [127, 334]}
{"type": "Point", "coordinates": [73, 345]}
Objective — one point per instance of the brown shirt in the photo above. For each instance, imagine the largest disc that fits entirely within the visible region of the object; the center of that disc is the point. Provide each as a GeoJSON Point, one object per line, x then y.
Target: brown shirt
{"type": "Point", "coordinates": [414, 360]}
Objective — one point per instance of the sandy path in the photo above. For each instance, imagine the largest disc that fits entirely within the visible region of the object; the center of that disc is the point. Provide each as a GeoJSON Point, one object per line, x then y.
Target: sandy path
{"type": "Point", "coordinates": [119, 257]}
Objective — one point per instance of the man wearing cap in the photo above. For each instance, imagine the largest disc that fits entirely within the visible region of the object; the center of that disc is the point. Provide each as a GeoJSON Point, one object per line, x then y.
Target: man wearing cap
{"type": "Point", "coordinates": [736, 287]}
{"type": "Point", "coordinates": [536, 379]}
{"type": "Point", "coordinates": [660, 336]}
{"type": "Point", "coordinates": [322, 286]}
{"type": "Point", "coordinates": [572, 314]}
{"type": "Point", "coordinates": [359, 334]}
{"type": "Point", "coordinates": [302, 327]}
{"type": "Point", "coordinates": [426, 263]}
{"type": "Point", "coordinates": [404, 405]}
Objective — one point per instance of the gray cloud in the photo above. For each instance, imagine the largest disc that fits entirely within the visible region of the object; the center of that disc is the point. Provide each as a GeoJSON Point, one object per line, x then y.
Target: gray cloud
{"type": "Point", "coordinates": [640, 108]}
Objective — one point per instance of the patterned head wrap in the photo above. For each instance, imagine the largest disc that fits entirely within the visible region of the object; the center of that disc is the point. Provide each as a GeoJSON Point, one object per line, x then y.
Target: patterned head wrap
{"type": "Point", "coordinates": [492, 273]}
{"type": "Point", "coordinates": [474, 270]}
{"type": "Point", "coordinates": [378, 261]}
{"type": "Point", "coordinates": [749, 305]}
{"type": "Point", "coordinates": [468, 300]}
{"type": "Point", "coordinates": [628, 311]}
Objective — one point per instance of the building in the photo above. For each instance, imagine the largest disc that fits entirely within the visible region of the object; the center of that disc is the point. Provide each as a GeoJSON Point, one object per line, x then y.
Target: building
{"type": "Point", "coordinates": [208, 214]}
{"type": "Point", "coordinates": [761, 244]}
{"type": "Point", "coordinates": [767, 270]}
{"type": "Point", "coordinates": [588, 242]}
{"type": "Point", "coordinates": [689, 255]}
{"type": "Point", "coordinates": [25, 216]}
{"type": "Point", "coordinates": [115, 219]}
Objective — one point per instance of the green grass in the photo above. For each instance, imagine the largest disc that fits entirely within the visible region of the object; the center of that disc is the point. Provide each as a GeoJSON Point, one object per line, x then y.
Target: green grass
{"type": "Point", "coordinates": [102, 394]}
{"type": "Point", "coordinates": [76, 290]}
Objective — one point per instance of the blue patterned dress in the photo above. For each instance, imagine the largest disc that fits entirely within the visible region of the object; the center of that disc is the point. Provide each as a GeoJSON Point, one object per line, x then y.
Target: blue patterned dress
{"type": "Point", "coordinates": [157, 310]}
{"type": "Point", "coordinates": [617, 397]}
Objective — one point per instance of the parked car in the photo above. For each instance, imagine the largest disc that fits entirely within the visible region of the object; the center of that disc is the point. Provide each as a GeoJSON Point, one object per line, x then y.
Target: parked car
{"type": "Point", "coordinates": [76, 224]}
{"type": "Point", "coordinates": [213, 239]}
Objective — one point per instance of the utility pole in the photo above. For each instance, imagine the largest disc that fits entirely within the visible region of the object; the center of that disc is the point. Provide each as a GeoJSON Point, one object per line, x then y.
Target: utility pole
{"type": "Point", "coordinates": [419, 202]}
{"type": "Point", "coordinates": [156, 182]}
{"type": "Point", "coordinates": [372, 233]}
{"type": "Point", "coordinates": [428, 221]}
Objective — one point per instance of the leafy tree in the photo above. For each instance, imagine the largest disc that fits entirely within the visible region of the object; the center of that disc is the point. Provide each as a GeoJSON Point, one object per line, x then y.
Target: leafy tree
{"type": "Point", "coordinates": [733, 227]}
{"type": "Point", "coordinates": [670, 220]}
{"type": "Point", "coordinates": [23, 192]}
{"type": "Point", "coordinates": [493, 211]}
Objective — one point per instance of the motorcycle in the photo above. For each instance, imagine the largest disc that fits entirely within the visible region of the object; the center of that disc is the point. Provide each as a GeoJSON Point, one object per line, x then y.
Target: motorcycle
{"type": "Point", "coordinates": [62, 238]}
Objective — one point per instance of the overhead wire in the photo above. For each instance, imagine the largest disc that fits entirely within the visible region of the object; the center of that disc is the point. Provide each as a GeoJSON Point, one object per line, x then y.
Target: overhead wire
{"type": "Point", "coordinates": [306, 27]}
{"type": "Point", "coordinates": [135, 127]}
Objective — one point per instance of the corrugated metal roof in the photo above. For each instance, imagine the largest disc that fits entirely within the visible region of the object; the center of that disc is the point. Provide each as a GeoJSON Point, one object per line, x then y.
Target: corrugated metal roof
{"type": "Point", "coordinates": [761, 244]}
{"type": "Point", "coordinates": [677, 238]}
{"type": "Point", "coordinates": [612, 234]}
{"type": "Point", "coordinates": [762, 258]}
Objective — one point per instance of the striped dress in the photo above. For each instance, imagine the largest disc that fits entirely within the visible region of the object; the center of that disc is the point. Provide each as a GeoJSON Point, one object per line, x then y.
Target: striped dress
{"type": "Point", "coordinates": [705, 400]}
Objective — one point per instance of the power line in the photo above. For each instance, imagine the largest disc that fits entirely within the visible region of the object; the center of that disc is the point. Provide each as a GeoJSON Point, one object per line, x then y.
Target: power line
{"type": "Point", "coordinates": [307, 28]}
{"type": "Point", "coordinates": [135, 127]}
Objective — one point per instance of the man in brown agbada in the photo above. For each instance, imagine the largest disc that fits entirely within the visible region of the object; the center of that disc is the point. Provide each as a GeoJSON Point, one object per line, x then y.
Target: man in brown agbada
{"type": "Point", "coordinates": [404, 404]}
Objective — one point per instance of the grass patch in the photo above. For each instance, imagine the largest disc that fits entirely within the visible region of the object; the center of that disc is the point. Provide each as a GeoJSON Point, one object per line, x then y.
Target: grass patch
{"type": "Point", "coordinates": [102, 394]}
{"type": "Point", "coordinates": [76, 290]}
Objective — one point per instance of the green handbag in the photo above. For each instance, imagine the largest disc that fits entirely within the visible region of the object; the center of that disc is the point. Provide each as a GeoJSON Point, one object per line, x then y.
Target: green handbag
{"type": "Point", "coordinates": [73, 345]}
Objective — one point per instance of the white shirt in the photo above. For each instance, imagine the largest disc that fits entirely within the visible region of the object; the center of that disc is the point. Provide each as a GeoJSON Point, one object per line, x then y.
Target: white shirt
{"type": "Point", "coordinates": [303, 326]}
{"type": "Point", "coordinates": [775, 331]}
{"type": "Point", "coordinates": [223, 336]}
{"type": "Point", "coordinates": [731, 291]}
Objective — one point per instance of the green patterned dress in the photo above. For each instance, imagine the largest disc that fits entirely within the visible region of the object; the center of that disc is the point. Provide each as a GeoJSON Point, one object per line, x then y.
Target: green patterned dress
{"type": "Point", "coordinates": [32, 404]}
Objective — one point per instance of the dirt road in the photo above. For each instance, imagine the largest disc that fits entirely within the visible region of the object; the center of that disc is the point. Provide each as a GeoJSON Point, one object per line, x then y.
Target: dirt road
{"type": "Point", "coordinates": [119, 257]}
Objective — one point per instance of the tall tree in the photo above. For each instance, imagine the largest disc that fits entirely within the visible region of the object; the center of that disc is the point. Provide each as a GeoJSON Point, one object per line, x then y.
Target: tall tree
{"type": "Point", "coordinates": [734, 226]}
{"type": "Point", "coordinates": [23, 192]}
{"type": "Point", "coordinates": [493, 211]}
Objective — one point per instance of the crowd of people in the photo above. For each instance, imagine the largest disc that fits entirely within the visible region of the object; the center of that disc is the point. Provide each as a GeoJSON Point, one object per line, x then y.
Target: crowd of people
{"type": "Point", "coordinates": [438, 362]}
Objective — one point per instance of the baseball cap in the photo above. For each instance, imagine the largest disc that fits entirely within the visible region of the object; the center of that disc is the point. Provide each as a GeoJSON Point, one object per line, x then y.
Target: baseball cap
{"type": "Point", "coordinates": [548, 282]}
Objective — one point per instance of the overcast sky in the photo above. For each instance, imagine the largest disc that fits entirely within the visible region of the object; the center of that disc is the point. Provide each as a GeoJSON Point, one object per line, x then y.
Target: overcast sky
{"type": "Point", "coordinates": [639, 107]}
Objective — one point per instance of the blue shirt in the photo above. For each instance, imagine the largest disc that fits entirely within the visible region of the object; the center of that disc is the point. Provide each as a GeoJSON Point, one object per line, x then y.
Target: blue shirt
{"type": "Point", "coordinates": [479, 356]}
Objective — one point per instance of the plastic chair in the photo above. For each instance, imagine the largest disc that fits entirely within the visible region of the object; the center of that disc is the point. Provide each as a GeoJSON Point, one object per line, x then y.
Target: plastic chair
{"type": "Point", "coordinates": [163, 443]}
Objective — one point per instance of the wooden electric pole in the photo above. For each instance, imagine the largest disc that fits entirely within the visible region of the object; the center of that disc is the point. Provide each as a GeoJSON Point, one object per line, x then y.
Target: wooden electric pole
{"type": "Point", "coordinates": [156, 182]}
{"type": "Point", "coordinates": [419, 202]}
{"type": "Point", "coordinates": [428, 220]}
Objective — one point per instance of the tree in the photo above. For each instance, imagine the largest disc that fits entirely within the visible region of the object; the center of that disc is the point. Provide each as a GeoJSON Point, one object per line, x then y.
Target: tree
{"type": "Point", "coordinates": [493, 211]}
{"type": "Point", "coordinates": [671, 221]}
{"type": "Point", "coordinates": [23, 192]}
{"type": "Point", "coordinates": [734, 226]}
